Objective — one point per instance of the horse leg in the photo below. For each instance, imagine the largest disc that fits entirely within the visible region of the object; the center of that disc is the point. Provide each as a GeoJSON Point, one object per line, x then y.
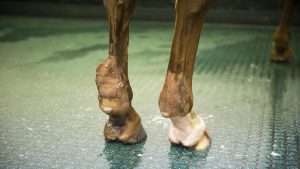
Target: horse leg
{"type": "Point", "coordinates": [281, 51]}
{"type": "Point", "coordinates": [176, 98]}
{"type": "Point", "coordinates": [114, 91]}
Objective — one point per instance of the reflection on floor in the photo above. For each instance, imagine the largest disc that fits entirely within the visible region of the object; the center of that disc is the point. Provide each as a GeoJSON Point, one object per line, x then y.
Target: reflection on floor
{"type": "Point", "coordinates": [49, 114]}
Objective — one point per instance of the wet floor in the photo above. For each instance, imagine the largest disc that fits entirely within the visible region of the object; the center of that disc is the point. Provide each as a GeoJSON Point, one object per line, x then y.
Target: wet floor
{"type": "Point", "coordinates": [49, 115]}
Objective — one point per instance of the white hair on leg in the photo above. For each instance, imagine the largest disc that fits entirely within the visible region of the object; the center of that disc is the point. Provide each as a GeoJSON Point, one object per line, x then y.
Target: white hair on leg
{"type": "Point", "coordinates": [187, 130]}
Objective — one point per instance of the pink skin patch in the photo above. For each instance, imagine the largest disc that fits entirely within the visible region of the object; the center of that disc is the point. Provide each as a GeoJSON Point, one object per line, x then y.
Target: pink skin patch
{"type": "Point", "coordinates": [189, 130]}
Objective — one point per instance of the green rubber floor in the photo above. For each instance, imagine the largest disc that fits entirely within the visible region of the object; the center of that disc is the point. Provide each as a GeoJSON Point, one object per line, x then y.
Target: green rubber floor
{"type": "Point", "coordinates": [49, 112]}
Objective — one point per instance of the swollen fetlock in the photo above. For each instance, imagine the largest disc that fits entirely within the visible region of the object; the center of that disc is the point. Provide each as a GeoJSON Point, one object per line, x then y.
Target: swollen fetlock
{"type": "Point", "coordinates": [115, 95]}
{"type": "Point", "coordinates": [114, 90]}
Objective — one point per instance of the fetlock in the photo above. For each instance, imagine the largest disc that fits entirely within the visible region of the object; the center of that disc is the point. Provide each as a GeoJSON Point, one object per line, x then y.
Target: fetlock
{"type": "Point", "coordinates": [176, 98]}
{"type": "Point", "coordinates": [114, 90]}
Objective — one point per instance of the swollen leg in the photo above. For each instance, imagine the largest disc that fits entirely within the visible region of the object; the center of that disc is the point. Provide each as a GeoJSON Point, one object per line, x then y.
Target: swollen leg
{"type": "Point", "coordinates": [281, 51]}
{"type": "Point", "coordinates": [114, 91]}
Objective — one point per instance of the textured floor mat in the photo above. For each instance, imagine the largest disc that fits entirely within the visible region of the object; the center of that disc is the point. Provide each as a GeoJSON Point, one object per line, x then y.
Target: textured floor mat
{"type": "Point", "coordinates": [49, 115]}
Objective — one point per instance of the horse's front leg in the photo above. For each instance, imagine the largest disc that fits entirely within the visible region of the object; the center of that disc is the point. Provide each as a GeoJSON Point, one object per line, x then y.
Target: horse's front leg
{"type": "Point", "coordinates": [176, 99]}
{"type": "Point", "coordinates": [282, 51]}
{"type": "Point", "coordinates": [114, 91]}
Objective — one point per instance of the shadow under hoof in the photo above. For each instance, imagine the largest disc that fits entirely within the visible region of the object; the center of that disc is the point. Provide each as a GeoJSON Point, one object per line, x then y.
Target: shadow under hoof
{"type": "Point", "coordinates": [123, 156]}
{"type": "Point", "coordinates": [184, 157]}
{"type": "Point", "coordinates": [282, 61]}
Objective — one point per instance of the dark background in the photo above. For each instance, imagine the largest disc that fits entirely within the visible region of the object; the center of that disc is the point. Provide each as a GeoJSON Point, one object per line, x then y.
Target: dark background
{"type": "Point", "coordinates": [223, 11]}
{"type": "Point", "coordinates": [250, 5]}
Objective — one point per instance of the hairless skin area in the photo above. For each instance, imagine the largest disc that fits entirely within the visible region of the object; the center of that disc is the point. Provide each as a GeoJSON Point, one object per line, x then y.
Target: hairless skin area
{"type": "Point", "coordinates": [176, 98]}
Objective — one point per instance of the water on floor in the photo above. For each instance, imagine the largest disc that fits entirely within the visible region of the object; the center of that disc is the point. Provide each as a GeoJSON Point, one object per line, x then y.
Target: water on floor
{"type": "Point", "coordinates": [49, 115]}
